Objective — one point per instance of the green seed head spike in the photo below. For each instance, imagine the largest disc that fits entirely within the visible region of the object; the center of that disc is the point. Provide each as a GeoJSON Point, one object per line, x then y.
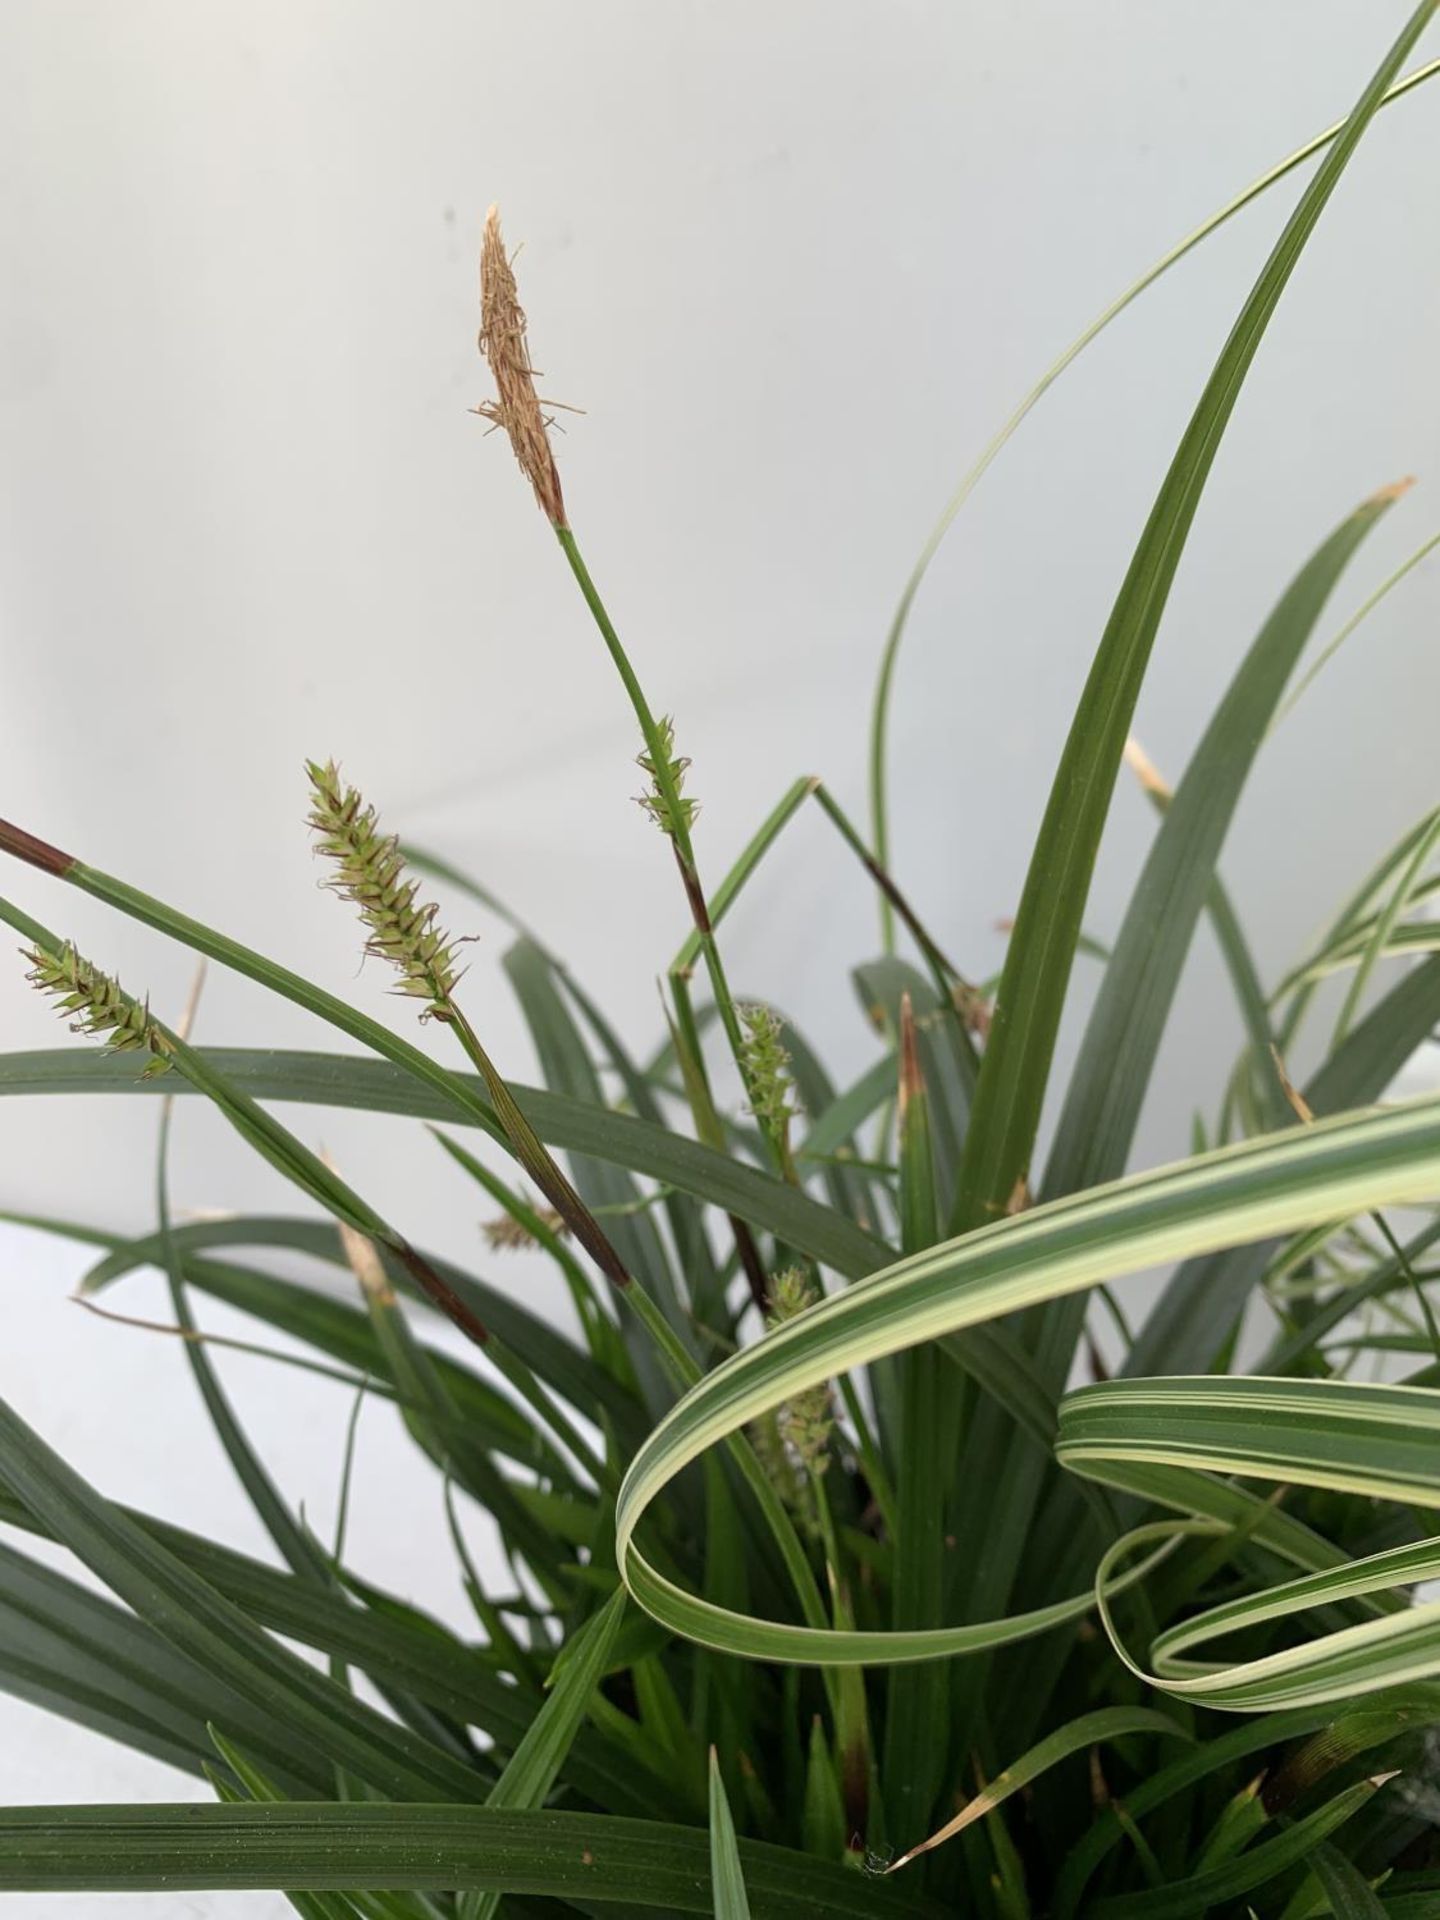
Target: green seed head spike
{"type": "Point", "coordinates": [99, 1005]}
{"type": "Point", "coordinates": [767, 1070]}
{"type": "Point", "coordinates": [371, 872]}
{"type": "Point", "coordinates": [805, 1421]}
{"type": "Point", "coordinates": [654, 801]}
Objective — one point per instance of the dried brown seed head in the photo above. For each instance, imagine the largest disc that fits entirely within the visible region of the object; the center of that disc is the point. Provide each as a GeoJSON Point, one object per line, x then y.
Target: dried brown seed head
{"type": "Point", "coordinates": [516, 406]}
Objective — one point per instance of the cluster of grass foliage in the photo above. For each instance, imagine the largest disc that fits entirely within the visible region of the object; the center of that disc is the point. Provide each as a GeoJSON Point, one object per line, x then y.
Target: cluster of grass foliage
{"type": "Point", "coordinates": [827, 1593]}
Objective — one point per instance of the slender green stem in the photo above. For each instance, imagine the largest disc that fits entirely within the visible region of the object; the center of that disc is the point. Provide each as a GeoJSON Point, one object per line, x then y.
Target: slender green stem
{"type": "Point", "coordinates": [548, 1176]}
{"type": "Point", "coordinates": [676, 828]}
{"type": "Point", "coordinates": [880, 708]}
{"type": "Point", "coordinates": [876, 1477]}
{"type": "Point", "coordinates": [1384, 923]}
{"type": "Point", "coordinates": [1328, 652]}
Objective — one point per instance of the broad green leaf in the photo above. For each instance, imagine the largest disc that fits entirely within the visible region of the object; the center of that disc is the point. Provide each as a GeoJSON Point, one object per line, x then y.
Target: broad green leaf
{"type": "Point", "coordinates": [1016, 1063]}
{"type": "Point", "coordinates": [1256, 1190]}
{"type": "Point", "coordinates": [77, 1654]}
{"type": "Point", "coordinates": [396, 1648]}
{"type": "Point", "coordinates": [1380, 1442]}
{"type": "Point", "coordinates": [1106, 1723]}
{"type": "Point", "coordinates": [880, 705]}
{"type": "Point", "coordinates": [339, 1080]}
{"type": "Point", "coordinates": [200, 1623]}
{"type": "Point", "coordinates": [633, 1864]}
{"type": "Point", "coordinates": [1122, 1037]}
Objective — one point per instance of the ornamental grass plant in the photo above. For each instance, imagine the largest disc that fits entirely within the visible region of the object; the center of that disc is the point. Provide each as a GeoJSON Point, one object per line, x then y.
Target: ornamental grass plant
{"type": "Point", "coordinates": [861, 1555]}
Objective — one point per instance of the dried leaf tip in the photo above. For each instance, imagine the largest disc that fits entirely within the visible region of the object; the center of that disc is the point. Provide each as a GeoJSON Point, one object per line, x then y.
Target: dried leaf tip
{"type": "Point", "coordinates": [371, 873]}
{"type": "Point", "coordinates": [1145, 770]}
{"type": "Point", "coordinates": [912, 1083]}
{"type": "Point", "coordinates": [516, 407]}
{"type": "Point", "coordinates": [100, 1006]}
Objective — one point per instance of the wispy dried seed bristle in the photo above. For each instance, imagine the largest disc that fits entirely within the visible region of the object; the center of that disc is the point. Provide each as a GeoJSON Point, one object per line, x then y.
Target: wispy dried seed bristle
{"type": "Point", "coordinates": [100, 1006]}
{"type": "Point", "coordinates": [516, 407]}
{"type": "Point", "coordinates": [507, 1235]}
{"type": "Point", "coordinates": [371, 873]}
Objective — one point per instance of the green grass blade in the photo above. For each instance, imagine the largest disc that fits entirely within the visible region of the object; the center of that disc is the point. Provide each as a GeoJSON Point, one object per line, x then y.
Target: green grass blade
{"type": "Point", "coordinates": [880, 706]}
{"type": "Point", "coordinates": [1362, 612]}
{"type": "Point", "coordinates": [1106, 1723]}
{"type": "Point", "coordinates": [568, 1070]}
{"type": "Point", "coordinates": [727, 1876]}
{"type": "Point", "coordinates": [532, 1769]}
{"type": "Point", "coordinates": [1385, 922]}
{"type": "Point", "coordinates": [397, 1648]}
{"type": "Point", "coordinates": [201, 1624]}
{"type": "Point", "coordinates": [295, 1545]}
{"type": "Point", "coordinates": [634, 1865]}
{"type": "Point", "coordinates": [1117, 1056]}
{"type": "Point", "coordinates": [1239, 1194]}
{"type": "Point", "coordinates": [1112, 1074]}
{"type": "Point", "coordinates": [1191, 1321]}
{"type": "Point", "coordinates": [916, 1729]}
{"type": "Point", "coordinates": [1381, 1720]}
{"type": "Point", "coordinates": [1256, 1867]}
{"type": "Point", "coordinates": [1349, 1893]}
{"type": "Point", "coordinates": [78, 1655]}
{"type": "Point", "coordinates": [1016, 1063]}
{"type": "Point", "coordinates": [829, 1132]}
{"type": "Point", "coordinates": [256, 1785]}
{"type": "Point", "coordinates": [1379, 1442]}
{"type": "Point", "coordinates": [338, 1080]}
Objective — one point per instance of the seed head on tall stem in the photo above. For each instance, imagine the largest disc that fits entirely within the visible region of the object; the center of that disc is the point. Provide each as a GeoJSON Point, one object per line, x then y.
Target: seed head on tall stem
{"type": "Point", "coordinates": [516, 408]}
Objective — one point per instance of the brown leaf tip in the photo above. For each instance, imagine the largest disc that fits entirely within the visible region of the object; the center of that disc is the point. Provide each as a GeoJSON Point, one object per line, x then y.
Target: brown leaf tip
{"type": "Point", "coordinates": [516, 407]}
{"type": "Point", "coordinates": [1299, 1105]}
{"type": "Point", "coordinates": [911, 1081]}
{"type": "Point", "coordinates": [1145, 770]}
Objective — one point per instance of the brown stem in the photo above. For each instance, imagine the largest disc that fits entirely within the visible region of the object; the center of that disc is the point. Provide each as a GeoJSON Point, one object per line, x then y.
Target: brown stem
{"type": "Point", "coordinates": [39, 853]}
{"type": "Point", "coordinates": [444, 1297]}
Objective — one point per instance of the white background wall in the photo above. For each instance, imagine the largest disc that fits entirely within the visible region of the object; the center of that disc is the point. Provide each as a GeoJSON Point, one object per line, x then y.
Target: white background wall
{"type": "Point", "coordinates": [795, 262]}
